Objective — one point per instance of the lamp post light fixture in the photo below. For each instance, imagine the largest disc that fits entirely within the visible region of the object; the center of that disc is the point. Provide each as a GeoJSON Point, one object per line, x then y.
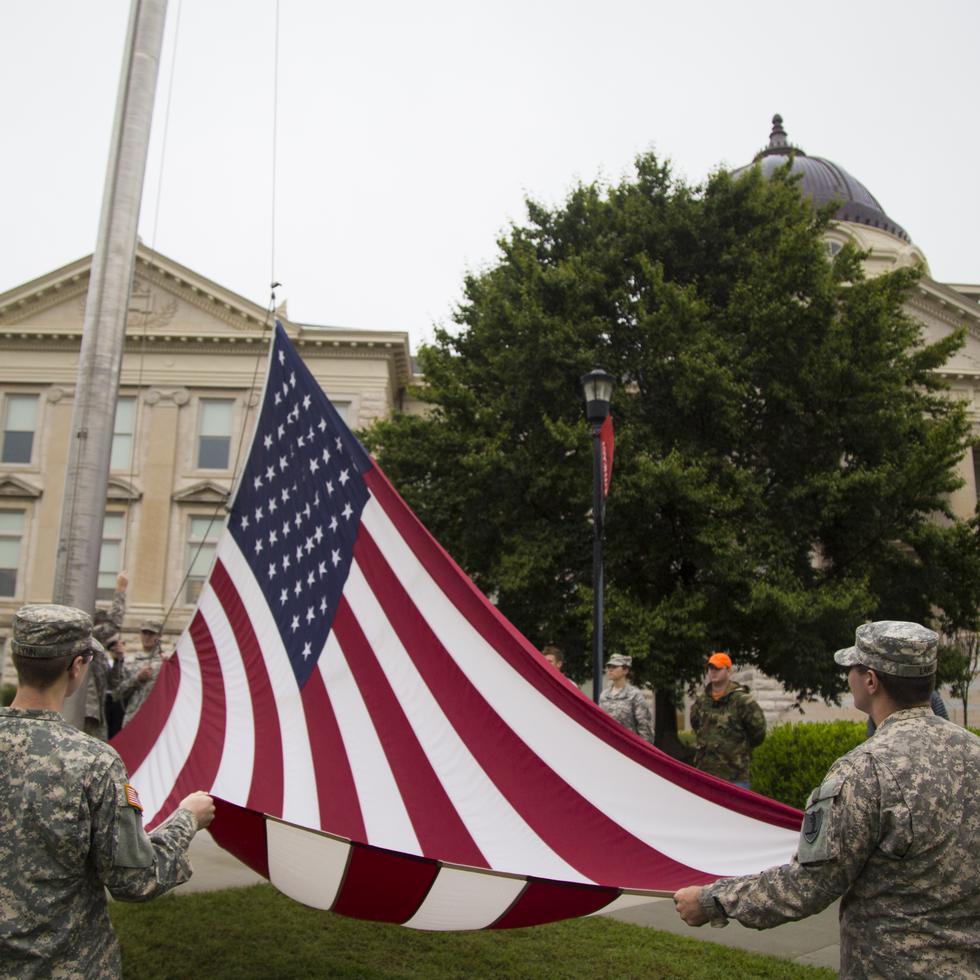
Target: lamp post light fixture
{"type": "Point", "coordinates": [597, 387]}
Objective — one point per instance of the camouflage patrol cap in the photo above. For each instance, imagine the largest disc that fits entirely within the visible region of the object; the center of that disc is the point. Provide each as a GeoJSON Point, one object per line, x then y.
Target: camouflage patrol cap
{"type": "Point", "coordinates": [151, 626]}
{"type": "Point", "coordinates": [619, 660]}
{"type": "Point", "coordinates": [893, 647]}
{"type": "Point", "coordinates": [46, 630]}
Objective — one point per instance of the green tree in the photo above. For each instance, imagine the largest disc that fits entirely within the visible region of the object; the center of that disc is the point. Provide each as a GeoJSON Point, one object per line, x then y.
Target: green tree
{"type": "Point", "coordinates": [782, 443]}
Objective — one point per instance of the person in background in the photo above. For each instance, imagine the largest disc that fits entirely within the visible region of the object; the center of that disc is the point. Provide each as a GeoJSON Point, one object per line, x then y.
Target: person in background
{"type": "Point", "coordinates": [555, 657]}
{"type": "Point", "coordinates": [72, 824]}
{"type": "Point", "coordinates": [624, 702]}
{"type": "Point", "coordinates": [105, 671]}
{"type": "Point", "coordinates": [892, 830]}
{"type": "Point", "coordinates": [727, 722]}
{"type": "Point", "coordinates": [107, 623]}
{"type": "Point", "coordinates": [140, 673]}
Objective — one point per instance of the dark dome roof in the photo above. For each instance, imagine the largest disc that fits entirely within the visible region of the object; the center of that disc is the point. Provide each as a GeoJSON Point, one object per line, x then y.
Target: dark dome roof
{"type": "Point", "coordinates": [824, 182]}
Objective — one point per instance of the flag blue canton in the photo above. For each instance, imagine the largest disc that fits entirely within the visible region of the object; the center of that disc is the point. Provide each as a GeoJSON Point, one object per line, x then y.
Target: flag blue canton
{"type": "Point", "coordinates": [298, 508]}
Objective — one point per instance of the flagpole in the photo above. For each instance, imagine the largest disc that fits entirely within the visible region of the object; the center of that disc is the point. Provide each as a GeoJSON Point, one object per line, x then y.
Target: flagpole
{"type": "Point", "coordinates": [597, 386]}
{"type": "Point", "coordinates": [104, 329]}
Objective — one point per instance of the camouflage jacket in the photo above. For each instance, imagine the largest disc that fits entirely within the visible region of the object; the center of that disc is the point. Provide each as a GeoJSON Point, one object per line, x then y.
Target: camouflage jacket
{"type": "Point", "coordinates": [727, 731]}
{"type": "Point", "coordinates": [130, 689]}
{"type": "Point", "coordinates": [894, 830]}
{"type": "Point", "coordinates": [629, 707]}
{"type": "Point", "coordinates": [70, 831]}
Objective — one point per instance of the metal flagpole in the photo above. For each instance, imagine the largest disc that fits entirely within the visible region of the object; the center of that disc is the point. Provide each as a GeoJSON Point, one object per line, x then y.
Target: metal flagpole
{"type": "Point", "coordinates": [104, 330]}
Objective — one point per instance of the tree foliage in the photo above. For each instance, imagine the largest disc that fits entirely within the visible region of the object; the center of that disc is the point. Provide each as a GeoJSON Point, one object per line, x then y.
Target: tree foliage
{"type": "Point", "coordinates": [782, 445]}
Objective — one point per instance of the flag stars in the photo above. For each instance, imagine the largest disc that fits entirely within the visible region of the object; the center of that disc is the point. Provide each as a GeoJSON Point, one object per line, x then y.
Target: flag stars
{"type": "Point", "coordinates": [294, 625]}
{"type": "Point", "coordinates": [258, 546]}
{"type": "Point", "coordinates": [307, 652]}
{"type": "Point", "coordinates": [329, 487]}
{"type": "Point", "coordinates": [272, 570]}
{"type": "Point", "coordinates": [298, 587]}
{"type": "Point", "coordinates": [309, 435]}
{"type": "Point", "coordinates": [344, 477]}
{"type": "Point", "coordinates": [284, 495]}
{"type": "Point", "coordinates": [310, 614]}
{"type": "Point", "coordinates": [335, 557]}
{"type": "Point", "coordinates": [306, 401]}
{"type": "Point", "coordinates": [273, 538]}
{"type": "Point", "coordinates": [282, 357]}
{"type": "Point", "coordinates": [281, 431]}
{"type": "Point", "coordinates": [286, 529]}
{"type": "Point", "coordinates": [278, 398]}
{"type": "Point", "coordinates": [322, 569]}
{"type": "Point", "coordinates": [333, 523]}
{"type": "Point", "coordinates": [339, 443]}
{"type": "Point", "coordinates": [323, 604]}
{"type": "Point", "coordinates": [300, 441]}
{"type": "Point", "coordinates": [283, 597]}
{"type": "Point", "coordinates": [308, 545]}
{"type": "Point", "coordinates": [323, 425]}
{"type": "Point", "coordinates": [258, 513]}
{"type": "Point", "coordinates": [256, 483]}
{"type": "Point", "coordinates": [326, 455]}
{"type": "Point", "coordinates": [267, 442]}
{"type": "Point", "coordinates": [299, 553]}
{"type": "Point", "coordinates": [347, 511]}
{"type": "Point", "coordinates": [270, 473]}
{"type": "Point", "coordinates": [244, 522]}
{"type": "Point", "coordinates": [314, 466]}
{"type": "Point", "coordinates": [299, 519]}
{"type": "Point", "coordinates": [283, 463]}
{"type": "Point", "coordinates": [272, 505]}
{"type": "Point", "coordinates": [285, 563]}
{"type": "Point", "coordinates": [318, 535]}
{"type": "Point", "coordinates": [292, 379]}
{"type": "Point", "coordinates": [311, 578]}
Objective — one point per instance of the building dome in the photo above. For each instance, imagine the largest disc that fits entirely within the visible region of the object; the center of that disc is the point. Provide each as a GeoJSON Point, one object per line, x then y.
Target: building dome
{"type": "Point", "coordinates": [824, 181]}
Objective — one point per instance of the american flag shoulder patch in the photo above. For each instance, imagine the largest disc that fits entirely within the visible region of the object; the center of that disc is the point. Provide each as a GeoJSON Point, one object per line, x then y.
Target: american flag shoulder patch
{"type": "Point", "coordinates": [132, 797]}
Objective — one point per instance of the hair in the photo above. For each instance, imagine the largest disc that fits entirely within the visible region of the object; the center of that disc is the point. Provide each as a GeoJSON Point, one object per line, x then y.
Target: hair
{"type": "Point", "coordinates": [41, 673]}
{"type": "Point", "coordinates": [552, 651]}
{"type": "Point", "coordinates": [906, 692]}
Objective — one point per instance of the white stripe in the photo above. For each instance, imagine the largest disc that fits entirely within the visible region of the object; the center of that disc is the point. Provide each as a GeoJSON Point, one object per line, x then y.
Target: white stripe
{"type": "Point", "coordinates": [674, 821]}
{"type": "Point", "coordinates": [499, 831]}
{"type": "Point", "coordinates": [299, 782]}
{"type": "Point", "coordinates": [234, 776]}
{"type": "Point", "coordinates": [386, 821]}
{"type": "Point", "coordinates": [156, 775]}
{"type": "Point", "coordinates": [460, 899]}
{"type": "Point", "coordinates": [304, 865]}
{"type": "Point", "coordinates": [628, 900]}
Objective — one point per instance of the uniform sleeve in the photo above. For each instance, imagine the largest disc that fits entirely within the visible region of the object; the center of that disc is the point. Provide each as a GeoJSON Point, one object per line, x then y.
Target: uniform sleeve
{"type": "Point", "coordinates": [840, 831]}
{"type": "Point", "coordinates": [118, 611]}
{"type": "Point", "coordinates": [128, 679]}
{"type": "Point", "coordinates": [132, 864]}
{"type": "Point", "coordinates": [696, 715]}
{"type": "Point", "coordinates": [753, 720]}
{"type": "Point", "coordinates": [643, 718]}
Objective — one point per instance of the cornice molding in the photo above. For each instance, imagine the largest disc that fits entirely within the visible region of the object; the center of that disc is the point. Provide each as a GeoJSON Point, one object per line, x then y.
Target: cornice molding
{"type": "Point", "coordinates": [119, 489]}
{"type": "Point", "coordinates": [205, 492]}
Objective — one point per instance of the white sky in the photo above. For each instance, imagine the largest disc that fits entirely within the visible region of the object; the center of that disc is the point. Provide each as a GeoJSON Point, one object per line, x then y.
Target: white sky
{"type": "Point", "coordinates": [409, 133]}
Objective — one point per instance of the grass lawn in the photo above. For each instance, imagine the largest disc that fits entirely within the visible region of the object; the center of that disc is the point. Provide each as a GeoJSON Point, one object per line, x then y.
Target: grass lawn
{"type": "Point", "coordinates": [256, 932]}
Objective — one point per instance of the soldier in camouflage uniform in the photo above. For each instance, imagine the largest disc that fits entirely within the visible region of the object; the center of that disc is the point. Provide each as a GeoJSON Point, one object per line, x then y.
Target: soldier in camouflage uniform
{"type": "Point", "coordinates": [72, 825]}
{"type": "Point", "coordinates": [728, 724]}
{"type": "Point", "coordinates": [103, 713]}
{"type": "Point", "coordinates": [140, 673]}
{"type": "Point", "coordinates": [893, 829]}
{"type": "Point", "coordinates": [623, 701]}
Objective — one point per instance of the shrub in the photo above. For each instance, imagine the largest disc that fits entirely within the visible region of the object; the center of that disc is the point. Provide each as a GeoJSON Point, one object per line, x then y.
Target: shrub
{"type": "Point", "coordinates": [794, 758]}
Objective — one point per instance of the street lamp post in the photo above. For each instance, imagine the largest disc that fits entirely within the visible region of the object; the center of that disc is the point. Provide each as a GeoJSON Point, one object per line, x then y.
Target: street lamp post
{"type": "Point", "coordinates": [597, 386]}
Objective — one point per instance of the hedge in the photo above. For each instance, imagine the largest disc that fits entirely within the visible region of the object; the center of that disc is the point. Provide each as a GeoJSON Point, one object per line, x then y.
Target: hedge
{"type": "Point", "coordinates": [794, 758]}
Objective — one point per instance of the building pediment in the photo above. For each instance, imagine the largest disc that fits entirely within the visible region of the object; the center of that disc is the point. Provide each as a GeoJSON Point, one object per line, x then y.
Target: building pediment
{"type": "Point", "coordinates": [14, 486]}
{"type": "Point", "coordinates": [205, 492]}
{"type": "Point", "coordinates": [122, 490]}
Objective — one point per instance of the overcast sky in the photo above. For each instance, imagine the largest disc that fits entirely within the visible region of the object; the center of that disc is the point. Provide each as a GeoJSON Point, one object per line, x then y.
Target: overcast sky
{"type": "Point", "coordinates": [409, 134]}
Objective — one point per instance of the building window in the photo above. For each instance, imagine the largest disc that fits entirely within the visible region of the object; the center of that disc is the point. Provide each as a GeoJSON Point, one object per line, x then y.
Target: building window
{"type": "Point", "coordinates": [343, 409]}
{"type": "Point", "coordinates": [110, 557]}
{"type": "Point", "coordinates": [19, 423]}
{"type": "Point", "coordinates": [11, 532]}
{"type": "Point", "coordinates": [202, 541]}
{"type": "Point", "coordinates": [122, 434]}
{"type": "Point", "coordinates": [214, 433]}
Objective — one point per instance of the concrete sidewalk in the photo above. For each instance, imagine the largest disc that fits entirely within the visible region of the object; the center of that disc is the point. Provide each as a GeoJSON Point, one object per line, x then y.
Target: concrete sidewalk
{"type": "Point", "coordinates": [814, 941]}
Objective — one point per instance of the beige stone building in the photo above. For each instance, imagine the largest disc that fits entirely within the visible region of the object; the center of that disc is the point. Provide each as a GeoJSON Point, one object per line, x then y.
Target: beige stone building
{"type": "Point", "coordinates": [191, 382]}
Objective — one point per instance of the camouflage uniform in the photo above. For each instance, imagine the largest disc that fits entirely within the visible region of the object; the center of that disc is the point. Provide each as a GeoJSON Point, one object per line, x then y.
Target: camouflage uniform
{"type": "Point", "coordinates": [72, 828]}
{"type": "Point", "coordinates": [893, 829]}
{"type": "Point", "coordinates": [629, 707]}
{"type": "Point", "coordinates": [727, 730]}
{"type": "Point", "coordinates": [131, 689]}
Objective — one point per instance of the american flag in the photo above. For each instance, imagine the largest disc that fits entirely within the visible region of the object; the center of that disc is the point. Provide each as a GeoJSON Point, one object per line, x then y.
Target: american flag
{"type": "Point", "coordinates": [382, 742]}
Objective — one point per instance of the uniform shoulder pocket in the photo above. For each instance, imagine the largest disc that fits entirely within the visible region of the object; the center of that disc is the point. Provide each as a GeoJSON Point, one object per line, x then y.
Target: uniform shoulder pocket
{"type": "Point", "coordinates": [815, 839]}
{"type": "Point", "coordinates": [133, 847]}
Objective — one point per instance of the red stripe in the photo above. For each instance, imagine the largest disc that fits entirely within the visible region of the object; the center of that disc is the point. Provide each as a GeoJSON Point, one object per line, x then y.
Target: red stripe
{"type": "Point", "coordinates": [204, 758]}
{"type": "Point", "coordinates": [565, 820]}
{"type": "Point", "coordinates": [266, 791]}
{"type": "Point", "coordinates": [384, 886]}
{"type": "Point", "coordinates": [548, 901]}
{"type": "Point", "coordinates": [521, 656]}
{"type": "Point", "coordinates": [241, 832]}
{"type": "Point", "coordinates": [137, 739]}
{"type": "Point", "coordinates": [440, 830]}
{"type": "Point", "coordinates": [340, 811]}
